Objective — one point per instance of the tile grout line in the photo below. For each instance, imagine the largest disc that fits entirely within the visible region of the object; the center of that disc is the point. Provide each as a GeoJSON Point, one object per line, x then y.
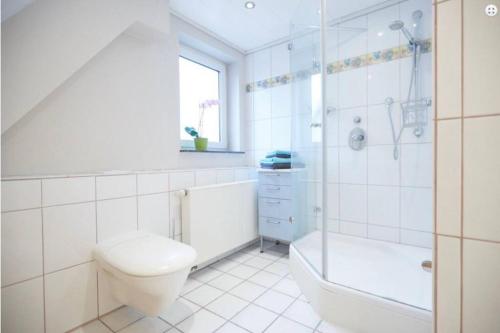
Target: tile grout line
{"type": "Point", "coordinates": [250, 302]}
{"type": "Point", "coordinates": [435, 172]}
{"type": "Point", "coordinates": [462, 123]}
{"type": "Point", "coordinates": [43, 262]}
{"type": "Point", "coordinates": [96, 241]}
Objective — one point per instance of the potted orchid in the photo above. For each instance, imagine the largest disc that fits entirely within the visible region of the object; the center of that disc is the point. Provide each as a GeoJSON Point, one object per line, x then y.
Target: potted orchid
{"type": "Point", "coordinates": [200, 142]}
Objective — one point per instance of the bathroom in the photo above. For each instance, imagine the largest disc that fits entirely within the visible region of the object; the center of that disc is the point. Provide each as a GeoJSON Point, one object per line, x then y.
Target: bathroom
{"type": "Point", "coordinates": [250, 166]}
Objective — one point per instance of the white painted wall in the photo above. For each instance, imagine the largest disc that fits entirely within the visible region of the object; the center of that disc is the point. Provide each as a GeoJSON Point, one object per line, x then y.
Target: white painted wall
{"type": "Point", "coordinates": [49, 40]}
{"type": "Point", "coordinates": [119, 111]}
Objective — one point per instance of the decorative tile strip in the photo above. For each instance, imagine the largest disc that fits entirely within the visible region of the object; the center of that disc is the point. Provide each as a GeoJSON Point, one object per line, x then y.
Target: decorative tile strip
{"type": "Point", "coordinates": [372, 58]}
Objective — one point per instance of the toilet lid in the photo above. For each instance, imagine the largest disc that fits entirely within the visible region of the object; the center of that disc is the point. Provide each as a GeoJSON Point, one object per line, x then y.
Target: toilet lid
{"type": "Point", "coordinates": [144, 254]}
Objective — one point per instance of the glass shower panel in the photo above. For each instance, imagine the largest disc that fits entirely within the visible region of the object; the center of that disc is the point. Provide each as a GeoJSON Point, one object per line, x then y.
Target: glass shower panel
{"type": "Point", "coordinates": [378, 94]}
{"type": "Point", "coordinates": [305, 64]}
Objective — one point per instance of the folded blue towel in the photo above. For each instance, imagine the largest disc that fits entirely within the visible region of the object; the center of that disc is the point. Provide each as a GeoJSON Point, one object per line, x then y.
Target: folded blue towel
{"type": "Point", "coordinates": [269, 160]}
{"type": "Point", "coordinates": [279, 153]}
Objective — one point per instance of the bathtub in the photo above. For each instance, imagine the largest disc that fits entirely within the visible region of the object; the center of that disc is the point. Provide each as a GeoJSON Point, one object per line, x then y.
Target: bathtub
{"type": "Point", "coordinates": [372, 286]}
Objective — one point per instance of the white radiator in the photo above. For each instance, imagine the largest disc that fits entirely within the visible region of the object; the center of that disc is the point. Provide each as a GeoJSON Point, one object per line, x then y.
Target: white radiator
{"type": "Point", "coordinates": [219, 218]}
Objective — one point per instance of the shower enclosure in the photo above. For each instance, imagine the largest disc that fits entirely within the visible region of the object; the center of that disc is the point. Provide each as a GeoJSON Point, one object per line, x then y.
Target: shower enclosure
{"type": "Point", "coordinates": [362, 136]}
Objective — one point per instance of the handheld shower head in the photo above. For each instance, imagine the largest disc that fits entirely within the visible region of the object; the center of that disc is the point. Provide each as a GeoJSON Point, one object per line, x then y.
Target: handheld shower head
{"type": "Point", "coordinates": [399, 25]}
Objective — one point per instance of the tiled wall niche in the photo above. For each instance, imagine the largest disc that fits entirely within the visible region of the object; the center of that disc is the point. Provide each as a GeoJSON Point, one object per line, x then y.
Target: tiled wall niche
{"type": "Point", "coordinates": [370, 194]}
{"type": "Point", "coordinates": [50, 226]}
{"type": "Point", "coordinates": [467, 190]}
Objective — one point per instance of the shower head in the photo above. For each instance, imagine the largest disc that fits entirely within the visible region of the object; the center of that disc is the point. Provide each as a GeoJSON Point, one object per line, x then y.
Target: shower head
{"type": "Point", "coordinates": [396, 25]}
{"type": "Point", "coordinates": [399, 25]}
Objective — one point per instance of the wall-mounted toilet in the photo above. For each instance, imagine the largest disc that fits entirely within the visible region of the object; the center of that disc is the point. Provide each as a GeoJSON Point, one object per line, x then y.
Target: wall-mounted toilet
{"type": "Point", "coordinates": [145, 271]}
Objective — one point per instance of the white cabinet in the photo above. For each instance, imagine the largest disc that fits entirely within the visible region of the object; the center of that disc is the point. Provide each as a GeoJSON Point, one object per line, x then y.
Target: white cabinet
{"type": "Point", "coordinates": [277, 190]}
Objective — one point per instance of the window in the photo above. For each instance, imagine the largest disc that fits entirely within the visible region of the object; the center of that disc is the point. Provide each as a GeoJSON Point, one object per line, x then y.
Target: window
{"type": "Point", "coordinates": [202, 78]}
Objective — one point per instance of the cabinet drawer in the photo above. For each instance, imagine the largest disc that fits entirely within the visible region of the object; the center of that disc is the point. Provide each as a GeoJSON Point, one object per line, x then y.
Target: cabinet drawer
{"type": "Point", "coordinates": [275, 191]}
{"type": "Point", "coordinates": [277, 208]}
{"type": "Point", "coordinates": [275, 178]}
{"type": "Point", "coordinates": [275, 228]}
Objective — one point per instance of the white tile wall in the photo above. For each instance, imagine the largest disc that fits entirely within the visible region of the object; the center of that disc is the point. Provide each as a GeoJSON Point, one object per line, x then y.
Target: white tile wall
{"type": "Point", "coordinates": [181, 180]}
{"type": "Point", "coordinates": [116, 216]}
{"type": "Point", "coordinates": [481, 175]}
{"type": "Point", "coordinates": [379, 35]}
{"type": "Point", "coordinates": [206, 177]}
{"type": "Point", "coordinates": [70, 297]}
{"type": "Point", "coordinates": [72, 228]}
{"type": "Point", "coordinates": [21, 195]}
{"type": "Point", "coordinates": [22, 307]}
{"type": "Point", "coordinates": [54, 243]}
{"type": "Point", "coordinates": [448, 282]}
{"type": "Point", "coordinates": [383, 169]}
{"type": "Point", "coordinates": [61, 191]}
{"type": "Point", "coordinates": [108, 187]}
{"type": "Point", "coordinates": [152, 183]}
{"type": "Point", "coordinates": [383, 82]}
{"type": "Point", "coordinates": [21, 245]}
{"type": "Point", "coordinates": [481, 286]}
{"type": "Point", "coordinates": [225, 176]}
{"type": "Point", "coordinates": [383, 206]}
{"type": "Point", "coordinates": [154, 213]}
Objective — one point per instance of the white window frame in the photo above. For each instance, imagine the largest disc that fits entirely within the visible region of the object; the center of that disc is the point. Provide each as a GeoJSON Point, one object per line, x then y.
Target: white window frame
{"type": "Point", "coordinates": [217, 65]}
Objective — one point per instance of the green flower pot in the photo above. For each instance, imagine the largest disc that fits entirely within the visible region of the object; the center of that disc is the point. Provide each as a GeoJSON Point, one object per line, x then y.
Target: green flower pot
{"type": "Point", "coordinates": [200, 144]}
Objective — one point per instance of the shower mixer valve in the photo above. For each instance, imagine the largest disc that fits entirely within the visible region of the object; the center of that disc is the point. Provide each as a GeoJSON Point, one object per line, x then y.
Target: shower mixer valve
{"type": "Point", "coordinates": [357, 138]}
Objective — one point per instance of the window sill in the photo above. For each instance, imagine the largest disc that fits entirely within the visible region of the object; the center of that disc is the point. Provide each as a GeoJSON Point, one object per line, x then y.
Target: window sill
{"type": "Point", "coordinates": [211, 151]}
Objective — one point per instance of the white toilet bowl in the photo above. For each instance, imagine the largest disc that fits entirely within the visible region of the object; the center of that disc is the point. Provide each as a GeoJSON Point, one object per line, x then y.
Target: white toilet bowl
{"type": "Point", "coordinates": [143, 270]}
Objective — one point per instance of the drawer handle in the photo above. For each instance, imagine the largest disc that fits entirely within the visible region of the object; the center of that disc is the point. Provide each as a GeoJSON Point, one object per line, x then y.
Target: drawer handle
{"type": "Point", "coordinates": [273, 202]}
{"type": "Point", "coordinates": [273, 221]}
{"type": "Point", "coordinates": [277, 188]}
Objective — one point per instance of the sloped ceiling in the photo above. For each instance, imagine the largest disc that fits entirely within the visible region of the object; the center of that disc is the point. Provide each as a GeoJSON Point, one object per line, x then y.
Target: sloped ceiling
{"type": "Point", "coordinates": [45, 42]}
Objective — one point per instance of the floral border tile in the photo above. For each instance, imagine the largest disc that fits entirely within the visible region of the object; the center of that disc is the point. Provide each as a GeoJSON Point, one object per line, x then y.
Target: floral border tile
{"type": "Point", "coordinates": [372, 58]}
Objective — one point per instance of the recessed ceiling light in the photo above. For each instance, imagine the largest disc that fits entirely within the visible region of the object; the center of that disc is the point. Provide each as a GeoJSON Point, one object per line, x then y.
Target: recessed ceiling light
{"type": "Point", "coordinates": [249, 5]}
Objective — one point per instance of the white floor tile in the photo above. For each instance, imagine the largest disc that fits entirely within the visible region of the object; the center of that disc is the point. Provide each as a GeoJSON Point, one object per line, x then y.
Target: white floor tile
{"type": "Point", "coordinates": [225, 282]}
{"type": "Point", "coordinates": [243, 271]}
{"type": "Point", "coordinates": [265, 279]}
{"type": "Point", "coordinates": [240, 257]}
{"type": "Point", "coordinates": [180, 310]}
{"type": "Point", "coordinates": [147, 325]}
{"type": "Point", "coordinates": [122, 317]}
{"type": "Point", "coordinates": [190, 285]}
{"type": "Point", "coordinates": [93, 327]}
{"type": "Point", "coordinates": [326, 327]}
{"type": "Point", "coordinates": [288, 286]}
{"type": "Point", "coordinates": [203, 295]}
{"type": "Point", "coordinates": [231, 328]}
{"type": "Point", "coordinates": [284, 325]}
{"type": "Point", "coordinates": [302, 312]}
{"type": "Point", "coordinates": [278, 268]}
{"type": "Point", "coordinates": [202, 322]}
{"type": "Point", "coordinates": [254, 318]}
{"type": "Point", "coordinates": [258, 262]}
{"type": "Point", "coordinates": [270, 255]}
{"type": "Point", "coordinates": [227, 306]}
{"type": "Point", "coordinates": [205, 275]}
{"type": "Point", "coordinates": [224, 265]}
{"type": "Point", "coordinates": [248, 291]}
{"type": "Point", "coordinates": [274, 301]}
{"type": "Point", "coordinates": [173, 330]}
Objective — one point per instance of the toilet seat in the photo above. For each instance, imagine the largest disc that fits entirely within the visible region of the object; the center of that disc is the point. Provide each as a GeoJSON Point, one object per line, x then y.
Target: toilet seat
{"type": "Point", "coordinates": [141, 254]}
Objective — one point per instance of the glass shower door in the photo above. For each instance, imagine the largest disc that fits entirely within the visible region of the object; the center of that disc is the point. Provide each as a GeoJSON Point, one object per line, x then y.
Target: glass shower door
{"type": "Point", "coordinates": [305, 65]}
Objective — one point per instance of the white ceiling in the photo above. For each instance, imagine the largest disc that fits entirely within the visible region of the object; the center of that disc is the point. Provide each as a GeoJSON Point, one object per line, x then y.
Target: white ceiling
{"type": "Point", "coordinates": [269, 21]}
